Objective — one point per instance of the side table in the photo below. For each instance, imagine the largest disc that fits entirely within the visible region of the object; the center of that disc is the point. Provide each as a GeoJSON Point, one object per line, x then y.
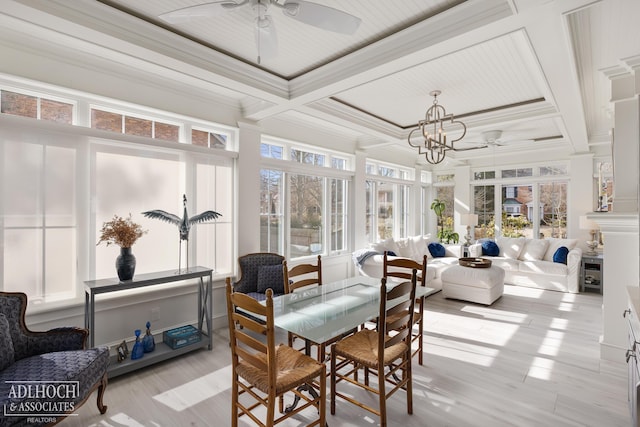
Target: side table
{"type": "Point", "coordinates": [591, 273]}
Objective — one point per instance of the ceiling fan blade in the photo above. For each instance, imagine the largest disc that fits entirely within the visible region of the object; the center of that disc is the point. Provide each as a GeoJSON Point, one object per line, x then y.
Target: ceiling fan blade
{"type": "Point", "coordinates": [266, 38]}
{"type": "Point", "coordinates": [320, 16]}
{"type": "Point", "coordinates": [206, 10]}
{"type": "Point", "coordinates": [478, 147]}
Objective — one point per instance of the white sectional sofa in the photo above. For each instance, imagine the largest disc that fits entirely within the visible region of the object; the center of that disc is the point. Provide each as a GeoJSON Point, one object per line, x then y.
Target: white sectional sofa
{"type": "Point", "coordinates": [370, 261]}
{"type": "Point", "coordinates": [530, 262]}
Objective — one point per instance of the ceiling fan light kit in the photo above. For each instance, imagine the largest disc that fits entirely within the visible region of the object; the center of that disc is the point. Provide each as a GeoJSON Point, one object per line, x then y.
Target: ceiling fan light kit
{"type": "Point", "coordinates": [433, 131]}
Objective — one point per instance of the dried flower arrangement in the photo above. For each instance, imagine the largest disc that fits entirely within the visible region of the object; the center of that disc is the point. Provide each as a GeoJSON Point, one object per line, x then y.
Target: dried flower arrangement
{"type": "Point", "coordinates": [120, 231]}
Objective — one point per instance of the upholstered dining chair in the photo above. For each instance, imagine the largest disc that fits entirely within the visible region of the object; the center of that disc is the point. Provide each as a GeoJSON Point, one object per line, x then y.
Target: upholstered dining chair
{"type": "Point", "coordinates": [402, 268]}
{"type": "Point", "coordinates": [53, 356]}
{"type": "Point", "coordinates": [388, 348]}
{"type": "Point", "coordinates": [264, 372]}
{"type": "Point", "coordinates": [258, 272]}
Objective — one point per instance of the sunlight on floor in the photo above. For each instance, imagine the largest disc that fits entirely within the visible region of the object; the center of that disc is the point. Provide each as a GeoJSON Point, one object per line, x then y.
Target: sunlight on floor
{"type": "Point", "coordinates": [522, 291]}
{"type": "Point", "coordinates": [558, 323]}
{"type": "Point", "coordinates": [194, 392]}
{"type": "Point", "coordinates": [541, 368]}
{"type": "Point", "coordinates": [551, 343]}
{"type": "Point", "coordinates": [475, 354]}
{"type": "Point", "coordinates": [495, 314]}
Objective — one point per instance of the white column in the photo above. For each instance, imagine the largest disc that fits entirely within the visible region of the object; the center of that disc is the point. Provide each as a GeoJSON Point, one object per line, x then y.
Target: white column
{"type": "Point", "coordinates": [620, 227]}
{"type": "Point", "coordinates": [359, 200]}
{"type": "Point", "coordinates": [248, 188]}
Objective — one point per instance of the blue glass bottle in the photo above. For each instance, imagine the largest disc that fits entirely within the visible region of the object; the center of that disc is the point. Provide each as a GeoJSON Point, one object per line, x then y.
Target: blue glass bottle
{"type": "Point", "coordinates": [148, 342]}
{"type": "Point", "coordinates": [138, 350]}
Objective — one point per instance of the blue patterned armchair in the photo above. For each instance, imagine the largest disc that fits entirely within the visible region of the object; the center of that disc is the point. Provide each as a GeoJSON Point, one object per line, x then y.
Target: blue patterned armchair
{"type": "Point", "coordinates": [45, 360]}
{"type": "Point", "coordinates": [258, 272]}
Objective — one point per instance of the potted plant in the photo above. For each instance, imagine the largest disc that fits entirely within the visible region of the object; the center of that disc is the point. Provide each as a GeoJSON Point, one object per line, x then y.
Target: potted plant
{"type": "Point", "coordinates": [124, 233]}
{"type": "Point", "coordinates": [448, 235]}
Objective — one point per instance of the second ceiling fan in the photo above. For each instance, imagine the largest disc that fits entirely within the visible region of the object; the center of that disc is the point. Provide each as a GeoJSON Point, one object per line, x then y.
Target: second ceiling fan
{"type": "Point", "coordinates": [314, 14]}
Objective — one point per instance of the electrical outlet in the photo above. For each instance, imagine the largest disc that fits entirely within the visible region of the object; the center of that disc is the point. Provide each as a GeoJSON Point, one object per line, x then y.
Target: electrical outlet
{"type": "Point", "coordinates": [155, 314]}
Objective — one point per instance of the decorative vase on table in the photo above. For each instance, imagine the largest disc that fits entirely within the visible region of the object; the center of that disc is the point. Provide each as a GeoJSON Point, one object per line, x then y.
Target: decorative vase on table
{"type": "Point", "coordinates": [138, 350]}
{"type": "Point", "coordinates": [125, 264]}
{"type": "Point", "coordinates": [148, 342]}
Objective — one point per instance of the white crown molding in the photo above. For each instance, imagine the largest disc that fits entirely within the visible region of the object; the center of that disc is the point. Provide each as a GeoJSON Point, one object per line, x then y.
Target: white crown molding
{"type": "Point", "coordinates": [103, 31]}
{"type": "Point", "coordinates": [615, 222]}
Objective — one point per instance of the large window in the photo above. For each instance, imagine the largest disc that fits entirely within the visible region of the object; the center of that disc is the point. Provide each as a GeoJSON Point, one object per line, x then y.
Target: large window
{"type": "Point", "coordinates": [338, 206]}
{"type": "Point", "coordinates": [532, 202]}
{"type": "Point", "coordinates": [40, 218]}
{"type": "Point", "coordinates": [303, 209]}
{"type": "Point", "coordinates": [553, 204]}
{"type": "Point", "coordinates": [271, 212]}
{"type": "Point", "coordinates": [59, 187]}
{"type": "Point", "coordinates": [387, 202]}
{"type": "Point", "coordinates": [485, 208]}
{"type": "Point", "coordinates": [306, 219]}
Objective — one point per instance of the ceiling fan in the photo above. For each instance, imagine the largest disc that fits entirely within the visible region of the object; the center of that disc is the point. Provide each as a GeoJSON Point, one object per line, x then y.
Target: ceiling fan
{"type": "Point", "coordinates": [490, 138]}
{"type": "Point", "coordinates": [314, 14]}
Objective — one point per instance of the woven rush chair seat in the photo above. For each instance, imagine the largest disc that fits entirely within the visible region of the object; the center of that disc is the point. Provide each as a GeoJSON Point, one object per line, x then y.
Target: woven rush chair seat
{"type": "Point", "coordinates": [292, 369]}
{"type": "Point", "coordinates": [363, 349]}
{"type": "Point", "coordinates": [264, 372]}
{"type": "Point", "coordinates": [385, 352]}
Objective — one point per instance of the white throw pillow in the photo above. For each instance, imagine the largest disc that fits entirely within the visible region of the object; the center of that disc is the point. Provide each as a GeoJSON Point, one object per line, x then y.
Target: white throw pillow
{"type": "Point", "coordinates": [405, 248]}
{"type": "Point", "coordinates": [419, 247]}
{"type": "Point", "coordinates": [554, 244]}
{"type": "Point", "coordinates": [385, 245]}
{"type": "Point", "coordinates": [510, 247]}
{"type": "Point", "coordinates": [534, 249]}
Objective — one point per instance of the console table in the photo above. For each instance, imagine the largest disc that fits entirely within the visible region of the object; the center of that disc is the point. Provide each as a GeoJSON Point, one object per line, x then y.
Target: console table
{"type": "Point", "coordinates": [162, 351]}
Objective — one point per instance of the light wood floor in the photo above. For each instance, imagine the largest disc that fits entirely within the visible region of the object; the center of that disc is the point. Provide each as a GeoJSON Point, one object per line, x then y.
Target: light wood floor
{"type": "Point", "coordinates": [531, 359]}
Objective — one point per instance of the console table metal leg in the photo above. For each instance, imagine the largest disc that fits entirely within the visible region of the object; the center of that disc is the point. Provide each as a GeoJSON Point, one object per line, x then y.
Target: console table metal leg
{"type": "Point", "coordinates": [210, 311]}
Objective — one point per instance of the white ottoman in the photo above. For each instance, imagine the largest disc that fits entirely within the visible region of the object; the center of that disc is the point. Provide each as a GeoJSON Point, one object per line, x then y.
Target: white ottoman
{"type": "Point", "coordinates": [481, 285]}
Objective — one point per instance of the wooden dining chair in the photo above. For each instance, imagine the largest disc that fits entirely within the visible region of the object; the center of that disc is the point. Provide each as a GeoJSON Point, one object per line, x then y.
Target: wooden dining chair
{"type": "Point", "coordinates": [388, 348]}
{"type": "Point", "coordinates": [302, 275]}
{"type": "Point", "coordinates": [298, 277]}
{"type": "Point", "coordinates": [402, 268]}
{"type": "Point", "coordinates": [265, 372]}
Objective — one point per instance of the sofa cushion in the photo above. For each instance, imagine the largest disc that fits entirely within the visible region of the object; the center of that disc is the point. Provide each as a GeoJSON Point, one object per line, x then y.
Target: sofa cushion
{"type": "Point", "coordinates": [544, 267]}
{"type": "Point", "coordinates": [437, 250]}
{"type": "Point", "coordinates": [7, 356]}
{"type": "Point", "coordinates": [534, 250]}
{"type": "Point", "coordinates": [388, 245]}
{"type": "Point", "coordinates": [554, 244]}
{"type": "Point", "coordinates": [270, 276]}
{"type": "Point", "coordinates": [490, 248]}
{"type": "Point", "coordinates": [405, 248]}
{"type": "Point", "coordinates": [84, 366]}
{"type": "Point", "coordinates": [510, 247]}
{"type": "Point", "coordinates": [507, 264]}
{"type": "Point", "coordinates": [560, 256]}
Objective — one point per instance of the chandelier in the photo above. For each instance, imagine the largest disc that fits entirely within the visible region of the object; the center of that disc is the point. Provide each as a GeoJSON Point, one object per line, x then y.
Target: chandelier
{"type": "Point", "coordinates": [433, 142]}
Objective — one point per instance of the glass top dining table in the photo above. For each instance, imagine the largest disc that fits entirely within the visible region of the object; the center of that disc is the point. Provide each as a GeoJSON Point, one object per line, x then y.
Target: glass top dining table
{"type": "Point", "coordinates": [322, 313]}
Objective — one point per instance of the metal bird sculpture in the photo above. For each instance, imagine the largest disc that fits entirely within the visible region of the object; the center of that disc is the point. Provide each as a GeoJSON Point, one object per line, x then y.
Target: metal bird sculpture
{"type": "Point", "coordinates": [184, 224]}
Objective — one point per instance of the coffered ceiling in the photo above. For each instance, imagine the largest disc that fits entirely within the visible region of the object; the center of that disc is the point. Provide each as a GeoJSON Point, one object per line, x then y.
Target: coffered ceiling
{"type": "Point", "coordinates": [537, 70]}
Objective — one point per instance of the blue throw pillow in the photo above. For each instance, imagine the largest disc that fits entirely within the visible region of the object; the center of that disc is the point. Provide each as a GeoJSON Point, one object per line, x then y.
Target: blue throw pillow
{"type": "Point", "coordinates": [490, 248]}
{"type": "Point", "coordinates": [436, 250]}
{"type": "Point", "coordinates": [270, 276]}
{"type": "Point", "coordinates": [560, 256]}
{"type": "Point", "coordinates": [391, 253]}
